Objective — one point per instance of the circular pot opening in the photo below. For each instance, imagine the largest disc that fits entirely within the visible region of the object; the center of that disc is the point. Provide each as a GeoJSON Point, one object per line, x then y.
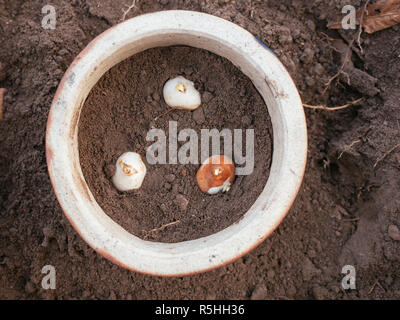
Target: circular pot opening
{"type": "Point", "coordinates": [223, 38]}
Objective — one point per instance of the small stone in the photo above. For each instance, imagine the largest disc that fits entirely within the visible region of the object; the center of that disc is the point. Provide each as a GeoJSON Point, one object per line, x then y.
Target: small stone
{"type": "Point", "coordinates": [182, 202]}
{"type": "Point", "coordinates": [170, 177]}
{"type": "Point", "coordinates": [270, 275]}
{"type": "Point", "coordinates": [259, 293]}
{"type": "Point", "coordinates": [394, 232]}
{"type": "Point", "coordinates": [198, 115]}
{"type": "Point", "coordinates": [207, 96]}
{"type": "Point", "coordinates": [164, 2]}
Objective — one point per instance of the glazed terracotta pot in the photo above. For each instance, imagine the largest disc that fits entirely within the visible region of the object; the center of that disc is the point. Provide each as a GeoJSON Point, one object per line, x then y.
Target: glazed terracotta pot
{"type": "Point", "coordinates": [282, 101]}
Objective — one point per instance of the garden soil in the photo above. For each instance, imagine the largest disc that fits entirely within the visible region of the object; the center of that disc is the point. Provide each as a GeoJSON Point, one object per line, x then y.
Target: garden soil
{"type": "Point", "coordinates": [346, 213]}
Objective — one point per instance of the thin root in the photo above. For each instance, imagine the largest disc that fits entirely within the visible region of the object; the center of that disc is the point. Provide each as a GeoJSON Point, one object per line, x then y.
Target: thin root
{"type": "Point", "coordinates": [351, 145]}
{"type": "Point", "coordinates": [163, 114]}
{"type": "Point", "coordinates": [374, 286]}
{"type": "Point", "coordinates": [386, 155]}
{"type": "Point", "coordinates": [133, 5]}
{"type": "Point", "coordinates": [333, 108]}
{"type": "Point", "coordinates": [162, 227]}
{"type": "Point", "coordinates": [361, 23]}
{"type": "Point", "coordinates": [348, 148]}
{"type": "Point", "coordinates": [349, 49]}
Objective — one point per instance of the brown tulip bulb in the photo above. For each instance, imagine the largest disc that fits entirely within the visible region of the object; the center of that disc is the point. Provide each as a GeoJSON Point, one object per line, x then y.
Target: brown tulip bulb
{"type": "Point", "coordinates": [216, 174]}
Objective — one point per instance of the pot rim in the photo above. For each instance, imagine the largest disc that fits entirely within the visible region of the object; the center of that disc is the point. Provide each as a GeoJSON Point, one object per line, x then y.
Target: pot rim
{"type": "Point", "coordinates": [271, 79]}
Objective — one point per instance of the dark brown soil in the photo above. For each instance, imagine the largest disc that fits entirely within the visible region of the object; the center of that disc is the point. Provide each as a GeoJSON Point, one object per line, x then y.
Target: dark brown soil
{"type": "Point", "coordinates": [346, 210]}
{"type": "Point", "coordinates": [127, 102]}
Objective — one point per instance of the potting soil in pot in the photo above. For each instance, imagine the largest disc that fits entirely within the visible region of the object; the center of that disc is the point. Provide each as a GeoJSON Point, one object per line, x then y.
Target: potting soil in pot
{"type": "Point", "coordinates": [127, 103]}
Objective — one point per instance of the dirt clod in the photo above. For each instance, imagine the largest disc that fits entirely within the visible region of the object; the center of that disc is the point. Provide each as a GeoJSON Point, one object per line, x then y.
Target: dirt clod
{"type": "Point", "coordinates": [259, 293]}
{"type": "Point", "coordinates": [309, 270]}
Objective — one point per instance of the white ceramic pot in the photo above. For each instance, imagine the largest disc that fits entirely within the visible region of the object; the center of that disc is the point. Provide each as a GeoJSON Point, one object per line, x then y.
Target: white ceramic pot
{"type": "Point", "coordinates": [199, 30]}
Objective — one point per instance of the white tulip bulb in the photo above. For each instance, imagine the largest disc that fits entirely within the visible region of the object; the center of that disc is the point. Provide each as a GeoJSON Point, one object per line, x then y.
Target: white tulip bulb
{"type": "Point", "coordinates": [130, 172]}
{"type": "Point", "coordinates": [180, 93]}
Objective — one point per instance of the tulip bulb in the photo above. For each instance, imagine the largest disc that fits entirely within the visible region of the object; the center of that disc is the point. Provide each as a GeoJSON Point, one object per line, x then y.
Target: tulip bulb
{"type": "Point", "coordinates": [216, 174]}
{"type": "Point", "coordinates": [130, 172]}
{"type": "Point", "coordinates": [180, 93]}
